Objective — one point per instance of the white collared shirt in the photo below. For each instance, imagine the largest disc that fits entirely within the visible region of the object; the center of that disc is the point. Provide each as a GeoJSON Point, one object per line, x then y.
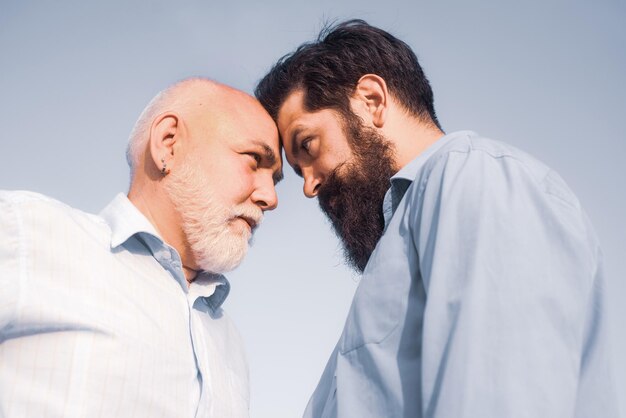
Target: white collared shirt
{"type": "Point", "coordinates": [96, 319]}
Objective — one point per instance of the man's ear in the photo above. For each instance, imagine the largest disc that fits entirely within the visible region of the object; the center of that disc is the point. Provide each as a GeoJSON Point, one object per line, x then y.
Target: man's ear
{"type": "Point", "coordinates": [371, 99]}
{"type": "Point", "coordinates": [164, 134]}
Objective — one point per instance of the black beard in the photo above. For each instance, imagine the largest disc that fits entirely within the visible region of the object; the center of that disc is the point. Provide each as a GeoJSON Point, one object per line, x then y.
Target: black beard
{"type": "Point", "coordinates": [353, 200]}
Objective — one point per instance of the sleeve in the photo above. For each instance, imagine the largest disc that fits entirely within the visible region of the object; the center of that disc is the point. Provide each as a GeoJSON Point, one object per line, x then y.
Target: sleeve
{"type": "Point", "coordinates": [597, 394]}
{"type": "Point", "coordinates": [507, 272]}
{"type": "Point", "coordinates": [10, 262]}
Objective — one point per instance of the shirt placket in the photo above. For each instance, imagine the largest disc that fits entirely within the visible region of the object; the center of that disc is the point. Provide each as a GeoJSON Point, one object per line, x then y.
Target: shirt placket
{"type": "Point", "coordinates": [170, 261]}
{"type": "Point", "coordinates": [200, 351]}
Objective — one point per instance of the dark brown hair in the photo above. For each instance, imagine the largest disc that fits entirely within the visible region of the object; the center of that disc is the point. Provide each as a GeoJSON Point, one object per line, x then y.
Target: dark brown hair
{"type": "Point", "coordinates": [328, 69]}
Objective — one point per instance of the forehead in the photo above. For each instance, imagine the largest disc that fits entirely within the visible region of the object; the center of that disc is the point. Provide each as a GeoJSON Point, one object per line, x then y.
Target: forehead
{"type": "Point", "coordinates": [245, 120]}
{"type": "Point", "coordinates": [291, 109]}
{"type": "Point", "coordinates": [293, 112]}
{"type": "Point", "coordinates": [293, 117]}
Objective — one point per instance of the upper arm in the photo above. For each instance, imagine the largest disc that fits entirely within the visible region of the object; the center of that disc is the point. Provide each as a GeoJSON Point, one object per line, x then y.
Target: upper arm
{"type": "Point", "coordinates": [507, 271]}
{"type": "Point", "coordinates": [480, 216]}
{"type": "Point", "coordinates": [10, 260]}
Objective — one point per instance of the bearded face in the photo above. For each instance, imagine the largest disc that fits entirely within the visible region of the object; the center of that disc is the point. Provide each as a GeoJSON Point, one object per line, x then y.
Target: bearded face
{"type": "Point", "coordinates": [217, 233]}
{"type": "Point", "coordinates": [352, 195]}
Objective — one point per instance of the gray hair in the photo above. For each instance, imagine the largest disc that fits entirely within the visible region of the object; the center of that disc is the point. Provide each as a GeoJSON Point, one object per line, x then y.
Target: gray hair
{"type": "Point", "coordinates": [166, 100]}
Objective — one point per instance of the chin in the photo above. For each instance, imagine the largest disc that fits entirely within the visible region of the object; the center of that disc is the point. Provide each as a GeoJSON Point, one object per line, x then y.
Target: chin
{"type": "Point", "coordinates": [223, 256]}
{"type": "Point", "coordinates": [242, 229]}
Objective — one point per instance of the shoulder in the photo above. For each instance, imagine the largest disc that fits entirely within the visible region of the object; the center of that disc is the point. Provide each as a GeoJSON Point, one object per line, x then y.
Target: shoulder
{"type": "Point", "coordinates": [480, 162]}
{"type": "Point", "coordinates": [470, 147]}
{"type": "Point", "coordinates": [40, 214]}
{"type": "Point", "coordinates": [27, 199]}
{"type": "Point", "coordinates": [20, 197]}
{"type": "Point", "coordinates": [38, 203]}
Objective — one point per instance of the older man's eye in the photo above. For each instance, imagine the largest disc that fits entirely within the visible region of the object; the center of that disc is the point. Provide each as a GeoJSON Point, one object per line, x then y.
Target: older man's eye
{"type": "Point", "coordinates": [256, 157]}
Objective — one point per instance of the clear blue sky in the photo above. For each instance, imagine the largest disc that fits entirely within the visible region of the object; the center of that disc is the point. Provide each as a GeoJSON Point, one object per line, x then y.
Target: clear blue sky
{"type": "Point", "coordinates": [546, 76]}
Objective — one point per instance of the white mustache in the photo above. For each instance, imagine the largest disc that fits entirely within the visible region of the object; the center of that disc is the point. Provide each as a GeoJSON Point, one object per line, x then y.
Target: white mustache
{"type": "Point", "coordinates": [249, 212]}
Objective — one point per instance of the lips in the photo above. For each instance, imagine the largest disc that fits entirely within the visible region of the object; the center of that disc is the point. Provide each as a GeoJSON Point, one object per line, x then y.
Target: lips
{"type": "Point", "coordinates": [252, 223]}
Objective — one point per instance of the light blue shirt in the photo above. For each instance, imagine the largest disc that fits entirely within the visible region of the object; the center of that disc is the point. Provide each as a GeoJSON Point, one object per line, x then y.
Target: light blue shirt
{"type": "Point", "coordinates": [97, 320]}
{"type": "Point", "coordinates": [484, 298]}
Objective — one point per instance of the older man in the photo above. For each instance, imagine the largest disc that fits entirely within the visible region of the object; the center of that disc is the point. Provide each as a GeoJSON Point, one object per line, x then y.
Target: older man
{"type": "Point", "coordinates": [482, 292]}
{"type": "Point", "coordinates": [119, 315]}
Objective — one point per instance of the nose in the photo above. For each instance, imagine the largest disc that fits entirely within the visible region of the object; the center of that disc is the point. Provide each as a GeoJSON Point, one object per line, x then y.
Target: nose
{"type": "Point", "coordinates": [312, 183]}
{"type": "Point", "coordinates": [265, 196]}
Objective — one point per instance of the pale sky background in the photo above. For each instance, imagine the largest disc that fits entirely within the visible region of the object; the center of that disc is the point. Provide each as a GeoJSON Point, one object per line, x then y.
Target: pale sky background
{"type": "Point", "coordinates": [546, 76]}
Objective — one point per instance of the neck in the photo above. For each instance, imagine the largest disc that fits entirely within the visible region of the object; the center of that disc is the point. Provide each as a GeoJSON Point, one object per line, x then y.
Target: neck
{"type": "Point", "coordinates": [410, 138]}
{"type": "Point", "coordinates": [156, 206]}
{"type": "Point", "coordinates": [190, 274]}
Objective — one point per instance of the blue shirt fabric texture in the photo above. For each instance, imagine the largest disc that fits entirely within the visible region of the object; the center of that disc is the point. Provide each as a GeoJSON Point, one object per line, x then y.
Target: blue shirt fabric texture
{"type": "Point", "coordinates": [484, 297]}
{"type": "Point", "coordinates": [98, 320]}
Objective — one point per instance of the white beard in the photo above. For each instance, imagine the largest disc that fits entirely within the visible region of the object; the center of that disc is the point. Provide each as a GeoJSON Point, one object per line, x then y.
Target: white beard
{"type": "Point", "coordinates": [206, 223]}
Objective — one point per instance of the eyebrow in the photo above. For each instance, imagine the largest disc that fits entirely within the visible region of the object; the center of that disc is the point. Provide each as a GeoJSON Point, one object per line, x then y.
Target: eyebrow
{"type": "Point", "coordinates": [271, 158]}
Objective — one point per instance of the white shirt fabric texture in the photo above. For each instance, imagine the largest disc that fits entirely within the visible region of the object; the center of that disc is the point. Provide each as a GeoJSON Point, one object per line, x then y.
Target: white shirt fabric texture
{"type": "Point", "coordinates": [97, 320]}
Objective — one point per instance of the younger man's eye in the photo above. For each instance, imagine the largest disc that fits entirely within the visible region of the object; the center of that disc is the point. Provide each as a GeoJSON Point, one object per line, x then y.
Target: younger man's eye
{"type": "Point", "coordinates": [306, 144]}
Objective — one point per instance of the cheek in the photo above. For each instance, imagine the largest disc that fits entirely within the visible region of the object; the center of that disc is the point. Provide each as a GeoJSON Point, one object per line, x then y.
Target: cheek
{"type": "Point", "coordinates": [239, 183]}
{"type": "Point", "coordinates": [331, 160]}
{"type": "Point", "coordinates": [335, 152]}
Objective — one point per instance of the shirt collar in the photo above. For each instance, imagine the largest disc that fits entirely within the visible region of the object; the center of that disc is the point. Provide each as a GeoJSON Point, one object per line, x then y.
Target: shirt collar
{"type": "Point", "coordinates": [409, 171]}
{"type": "Point", "coordinates": [212, 288]}
{"type": "Point", "coordinates": [126, 221]}
{"type": "Point", "coordinates": [401, 181]}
